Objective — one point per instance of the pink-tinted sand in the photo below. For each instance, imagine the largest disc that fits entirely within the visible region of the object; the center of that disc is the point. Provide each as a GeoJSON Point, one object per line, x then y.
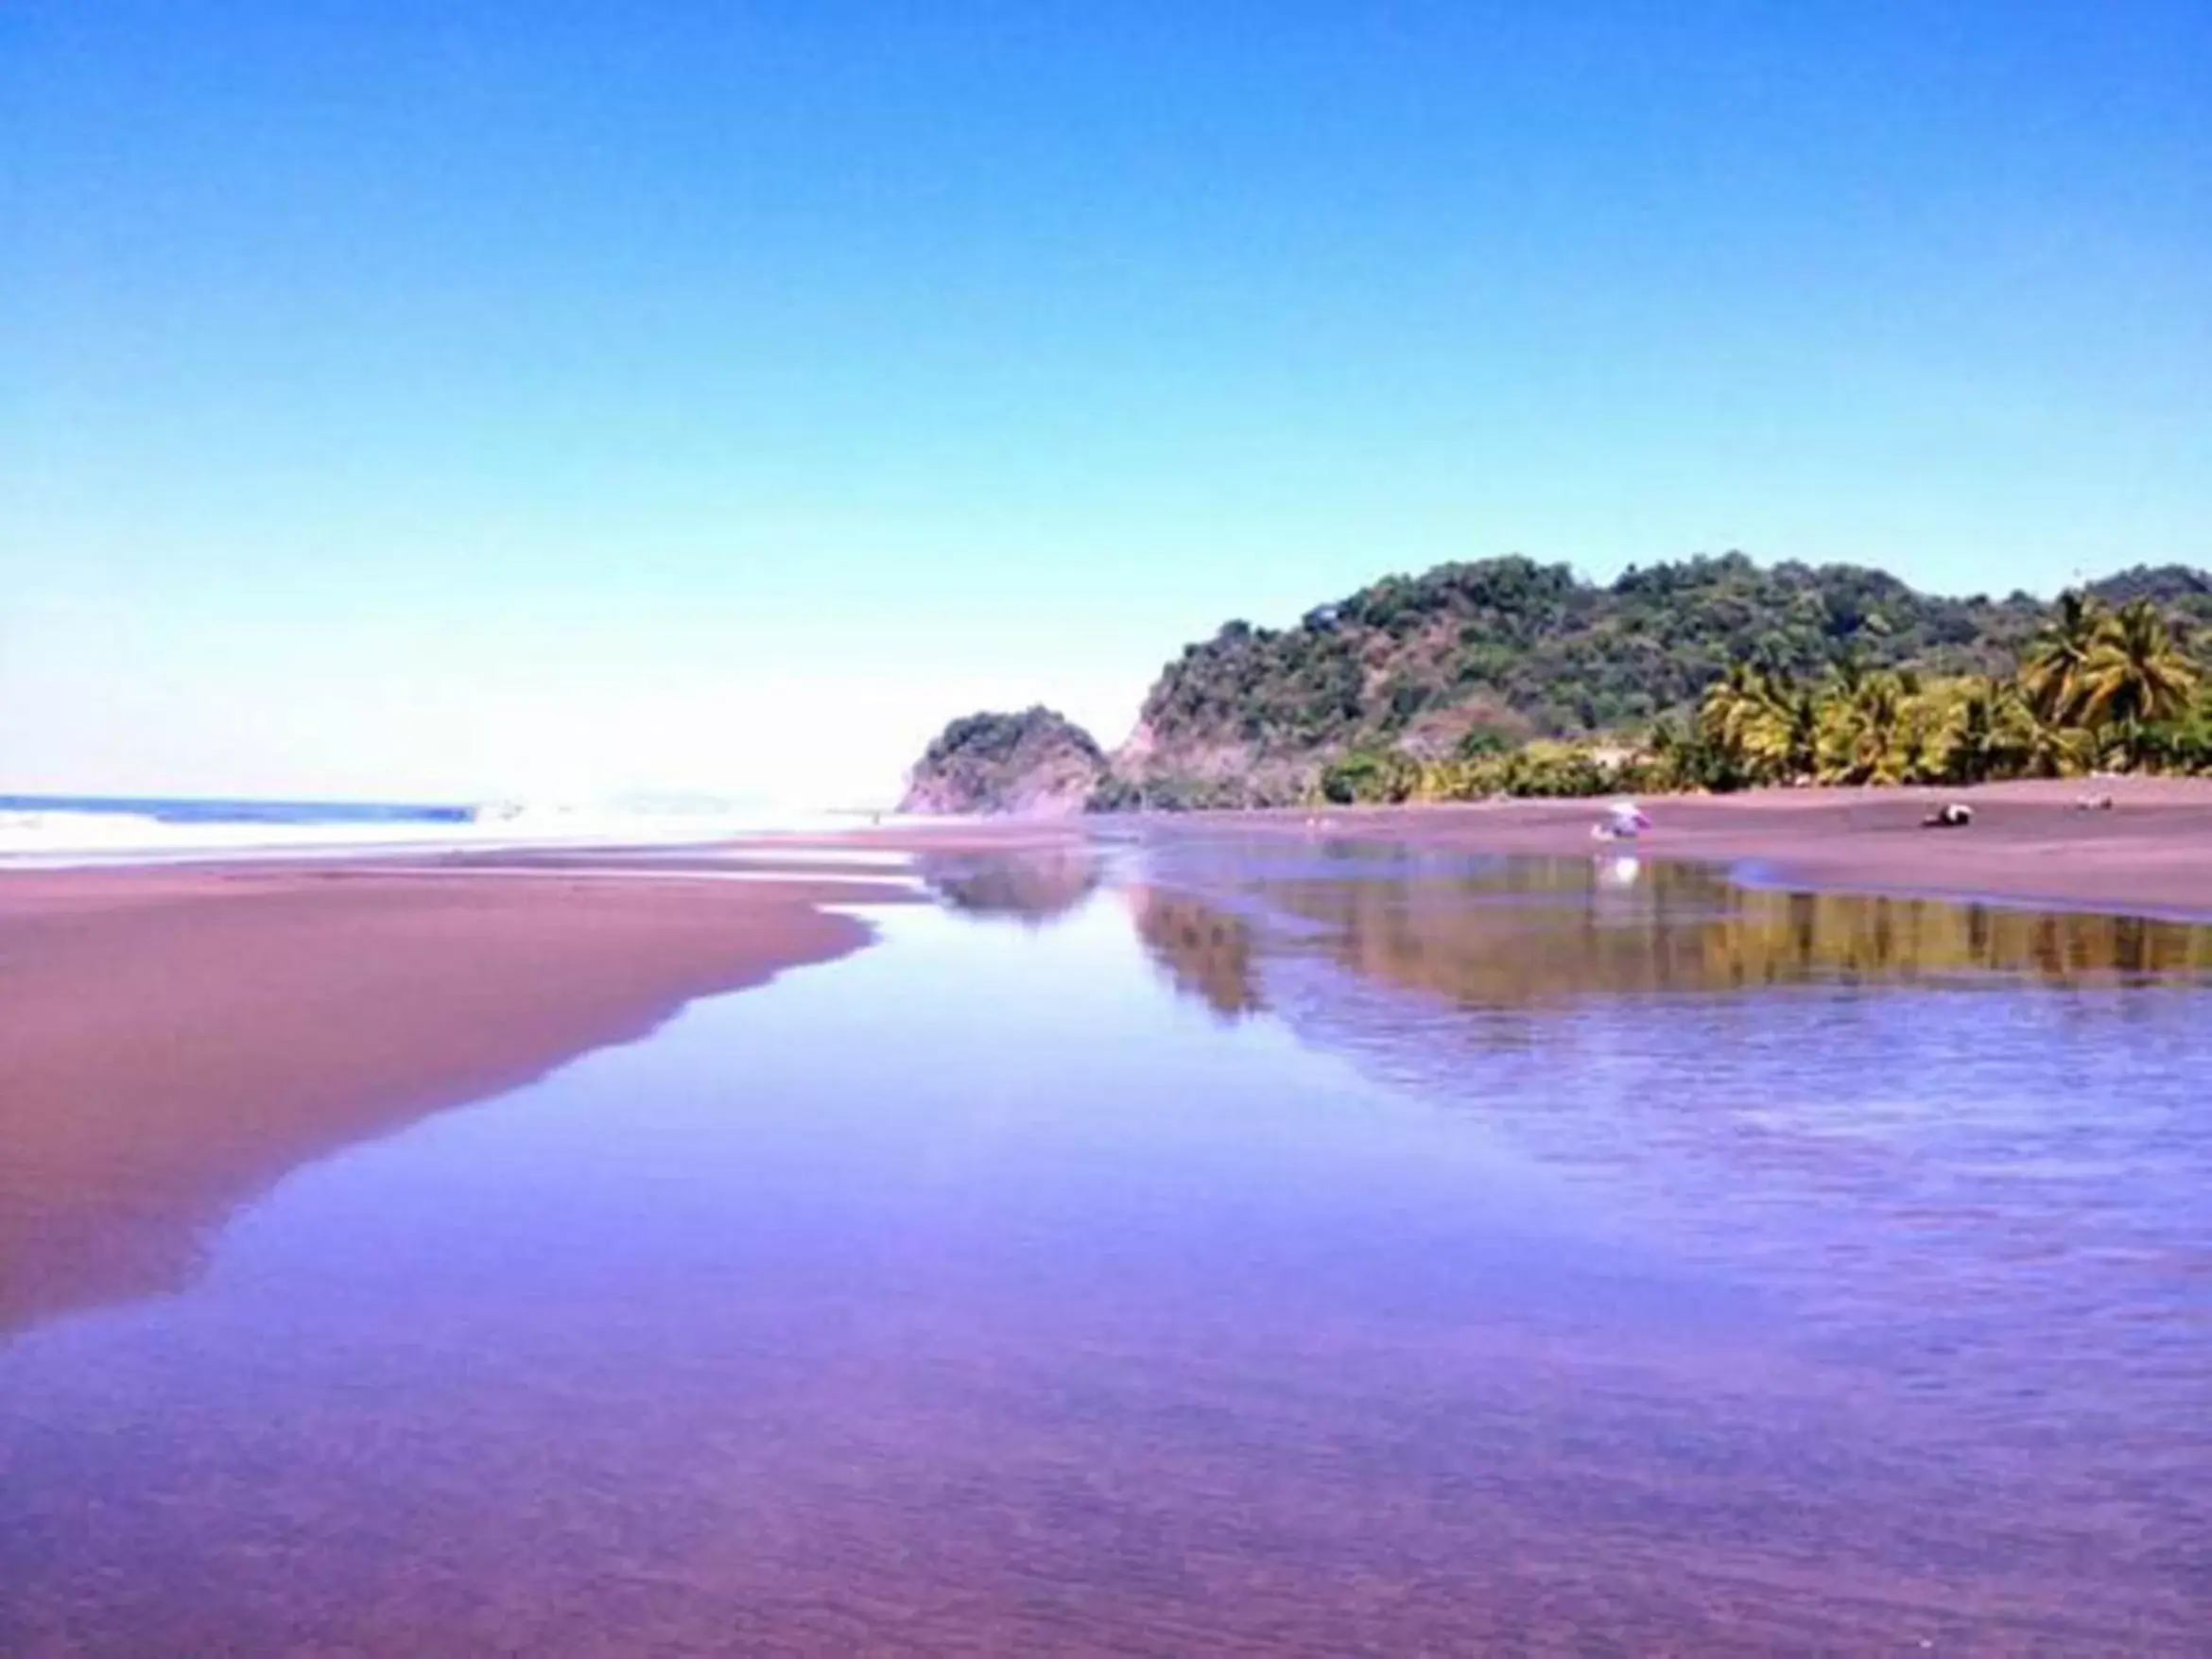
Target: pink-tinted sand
{"type": "Point", "coordinates": [173, 1041]}
{"type": "Point", "coordinates": [2029, 843]}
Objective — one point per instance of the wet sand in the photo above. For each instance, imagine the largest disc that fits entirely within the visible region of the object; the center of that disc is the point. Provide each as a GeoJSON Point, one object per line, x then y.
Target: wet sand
{"type": "Point", "coordinates": [929, 1430]}
{"type": "Point", "coordinates": [174, 1041]}
{"type": "Point", "coordinates": [2030, 843]}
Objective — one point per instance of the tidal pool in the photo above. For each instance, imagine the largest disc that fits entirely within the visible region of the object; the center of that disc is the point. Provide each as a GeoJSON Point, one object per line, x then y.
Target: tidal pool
{"type": "Point", "coordinates": [1209, 1245]}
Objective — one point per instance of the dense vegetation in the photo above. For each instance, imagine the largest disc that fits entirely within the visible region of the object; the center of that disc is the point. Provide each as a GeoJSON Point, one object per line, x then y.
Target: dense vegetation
{"type": "Point", "coordinates": [1511, 677]}
{"type": "Point", "coordinates": [1037, 761]}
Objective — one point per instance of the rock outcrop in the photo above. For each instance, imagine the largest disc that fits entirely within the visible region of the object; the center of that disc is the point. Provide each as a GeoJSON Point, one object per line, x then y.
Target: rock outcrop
{"type": "Point", "coordinates": [1035, 764]}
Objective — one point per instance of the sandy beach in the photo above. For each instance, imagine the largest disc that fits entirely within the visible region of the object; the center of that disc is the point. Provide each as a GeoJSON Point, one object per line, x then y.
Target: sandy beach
{"type": "Point", "coordinates": [887, 1385]}
{"type": "Point", "coordinates": [2030, 843]}
{"type": "Point", "coordinates": [173, 1041]}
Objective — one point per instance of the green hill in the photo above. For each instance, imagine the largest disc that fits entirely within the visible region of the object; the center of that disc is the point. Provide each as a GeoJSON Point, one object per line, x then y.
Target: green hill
{"type": "Point", "coordinates": [1492, 654]}
{"type": "Point", "coordinates": [1033, 764]}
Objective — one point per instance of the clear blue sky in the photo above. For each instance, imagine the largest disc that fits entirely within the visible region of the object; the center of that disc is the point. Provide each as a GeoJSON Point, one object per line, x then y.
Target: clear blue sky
{"type": "Point", "coordinates": [558, 398]}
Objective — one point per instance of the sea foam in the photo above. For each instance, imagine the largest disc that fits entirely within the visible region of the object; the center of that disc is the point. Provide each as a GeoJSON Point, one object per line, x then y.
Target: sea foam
{"type": "Point", "coordinates": [93, 833]}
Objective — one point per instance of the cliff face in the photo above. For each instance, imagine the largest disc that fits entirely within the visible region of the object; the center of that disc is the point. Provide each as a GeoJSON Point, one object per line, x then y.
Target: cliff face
{"type": "Point", "coordinates": [1035, 764]}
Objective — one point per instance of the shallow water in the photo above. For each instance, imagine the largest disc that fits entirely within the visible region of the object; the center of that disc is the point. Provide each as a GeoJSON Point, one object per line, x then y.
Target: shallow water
{"type": "Point", "coordinates": [1218, 1245]}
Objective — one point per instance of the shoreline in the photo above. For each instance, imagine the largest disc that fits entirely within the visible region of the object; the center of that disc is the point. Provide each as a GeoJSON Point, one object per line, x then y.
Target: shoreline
{"type": "Point", "coordinates": [2029, 846]}
{"type": "Point", "coordinates": [175, 1040]}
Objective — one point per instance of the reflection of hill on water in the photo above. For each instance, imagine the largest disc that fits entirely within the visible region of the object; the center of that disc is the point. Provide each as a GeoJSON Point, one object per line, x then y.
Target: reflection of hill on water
{"type": "Point", "coordinates": [1030, 885]}
{"type": "Point", "coordinates": [1524, 934]}
{"type": "Point", "coordinates": [1957, 1091]}
{"type": "Point", "coordinates": [1206, 952]}
{"type": "Point", "coordinates": [1558, 930]}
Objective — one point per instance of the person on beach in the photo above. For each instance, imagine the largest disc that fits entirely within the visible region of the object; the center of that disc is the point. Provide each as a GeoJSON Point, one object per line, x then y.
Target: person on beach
{"type": "Point", "coordinates": [1624, 821]}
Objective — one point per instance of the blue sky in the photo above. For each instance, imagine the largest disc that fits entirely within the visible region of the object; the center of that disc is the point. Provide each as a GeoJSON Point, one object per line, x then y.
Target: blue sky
{"type": "Point", "coordinates": [557, 398]}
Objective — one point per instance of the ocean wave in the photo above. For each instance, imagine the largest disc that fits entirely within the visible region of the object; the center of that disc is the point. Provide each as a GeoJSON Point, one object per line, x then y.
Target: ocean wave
{"type": "Point", "coordinates": [59, 836]}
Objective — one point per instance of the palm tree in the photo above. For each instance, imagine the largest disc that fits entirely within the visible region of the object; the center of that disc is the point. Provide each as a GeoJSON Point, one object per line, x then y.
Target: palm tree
{"type": "Point", "coordinates": [1759, 723]}
{"type": "Point", "coordinates": [2050, 672]}
{"type": "Point", "coordinates": [1726, 715]}
{"type": "Point", "coordinates": [1801, 733]}
{"type": "Point", "coordinates": [1781, 737]}
{"type": "Point", "coordinates": [2184, 743]}
{"type": "Point", "coordinates": [1728, 705]}
{"type": "Point", "coordinates": [1866, 729]}
{"type": "Point", "coordinates": [2052, 748]}
{"type": "Point", "coordinates": [1979, 731]}
{"type": "Point", "coordinates": [2135, 675]}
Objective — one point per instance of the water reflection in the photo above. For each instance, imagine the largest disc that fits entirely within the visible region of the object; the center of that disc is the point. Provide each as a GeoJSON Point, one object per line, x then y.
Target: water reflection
{"type": "Point", "coordinates": [1522, 933]}
{"type": "Point", "coordinates": [1205, 951]}
{"type": "Point", "coordinates": [971, 1296]}
{"type": "Point", "coordinates": [1964, 1144]}
{"type": "Point", "coordinates": [1032, 886]}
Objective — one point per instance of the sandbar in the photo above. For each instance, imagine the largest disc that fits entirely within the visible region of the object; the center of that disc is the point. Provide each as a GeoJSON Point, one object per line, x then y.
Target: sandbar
{"type": "Point", "coordinates": [173, 1041]}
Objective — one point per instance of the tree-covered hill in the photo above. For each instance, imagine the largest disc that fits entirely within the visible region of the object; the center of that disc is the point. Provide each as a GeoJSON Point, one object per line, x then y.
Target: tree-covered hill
{"type": "Point", "coordinates": [1036, 763]}
{"type": "Point", "coordinates": [1490, 654]}
{"type": "Point", "coordinates": [2183, 593]}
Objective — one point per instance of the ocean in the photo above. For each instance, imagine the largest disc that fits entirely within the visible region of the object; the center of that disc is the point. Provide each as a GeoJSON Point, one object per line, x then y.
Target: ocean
{"type": "Point", "coordinates": [172, 810]}
{"type": "Point", "coordinates": [48, 831]}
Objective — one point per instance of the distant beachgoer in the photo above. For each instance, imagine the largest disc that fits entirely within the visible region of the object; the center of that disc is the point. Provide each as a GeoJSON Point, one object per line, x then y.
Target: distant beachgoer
{"type": "Point", "coordinates": [1624, 821]}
